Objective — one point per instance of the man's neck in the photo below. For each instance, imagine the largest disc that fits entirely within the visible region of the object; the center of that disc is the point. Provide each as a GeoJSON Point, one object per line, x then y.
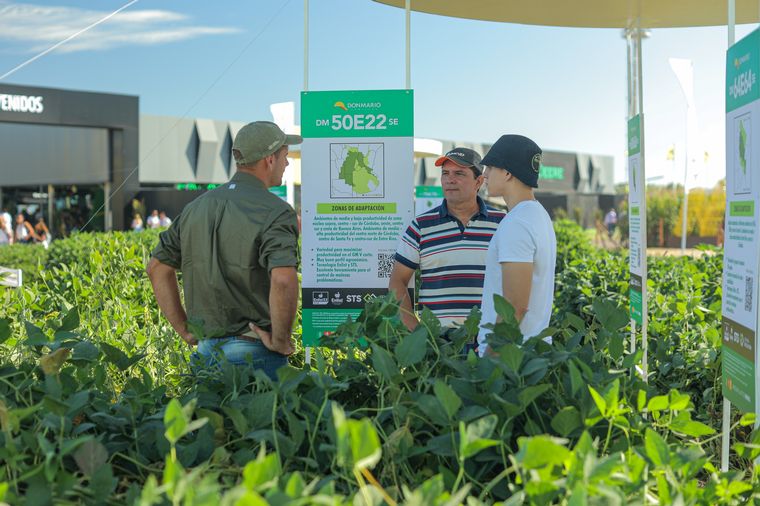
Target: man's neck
{"type": "Point", "coordinates": [464, 211]}
{"type": "Point", "coordinates": [513, 198]}
{"type": "Point", "coordinates": [258, 174]}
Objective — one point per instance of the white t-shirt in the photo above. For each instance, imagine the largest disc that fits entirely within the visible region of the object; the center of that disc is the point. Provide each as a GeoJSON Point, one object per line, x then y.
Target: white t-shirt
{"type": "Point", "coordinates": [8, 223]}
{"type": "Point", "coordinates": [153, 221]}
{"type": "Point", "coordinates": [526, 234]}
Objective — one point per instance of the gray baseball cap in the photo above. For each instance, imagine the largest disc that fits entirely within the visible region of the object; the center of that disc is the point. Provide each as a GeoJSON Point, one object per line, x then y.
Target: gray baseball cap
{"type": "Point", "coordinates": [258, 140]}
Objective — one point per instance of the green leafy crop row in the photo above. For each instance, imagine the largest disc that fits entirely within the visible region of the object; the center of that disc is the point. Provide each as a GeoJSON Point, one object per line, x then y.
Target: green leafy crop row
{"type": "Point", "coordinates": [98, 404]}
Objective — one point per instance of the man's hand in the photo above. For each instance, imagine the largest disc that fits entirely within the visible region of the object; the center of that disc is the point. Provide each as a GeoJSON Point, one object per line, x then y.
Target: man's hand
{"type": "Point", "coordinates": [398, 284]}
{"type": "Point", "coordinates": [189, 338]}
{"type": "Point", "coordinates": [283, 348]}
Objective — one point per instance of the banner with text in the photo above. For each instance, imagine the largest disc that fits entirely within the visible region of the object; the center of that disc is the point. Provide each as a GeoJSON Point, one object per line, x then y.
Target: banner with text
{"type": "Point", "coordinates": [356, 198]}
{"type": "Point", "coordinates": [741, 247]}
{"type": "Point", "coordinates": [637, 220]}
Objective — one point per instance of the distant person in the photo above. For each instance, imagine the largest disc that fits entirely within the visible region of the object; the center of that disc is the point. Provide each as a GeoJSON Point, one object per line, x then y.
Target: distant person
{"type": "Point", "coordinates": [24, 232]}
{"type": "Point", "coordinates": [154, 220]}
{"type": "Point", "coordinates": [41, 232]}
{"type": "Point", "coordinates": [8, 223]}
{"type": "Point", "coordinates": [5, 237]}
{"type": "Point", "coordinates": [610, 221]}
{"type": "Point", "coordinates": [163, 220]}
{"type": "Point", "coordinates": [137, 223]}
{"type": "Point", "coordinates": [523, 252]}
{"type": "Point", "coordinates": [448, 245]}
{"type": "Point", "coordinates": [237, 249]}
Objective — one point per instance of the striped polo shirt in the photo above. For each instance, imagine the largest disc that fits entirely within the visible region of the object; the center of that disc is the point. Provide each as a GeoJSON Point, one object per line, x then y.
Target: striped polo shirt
{"type": "Point", "coordinates": [451, 257]}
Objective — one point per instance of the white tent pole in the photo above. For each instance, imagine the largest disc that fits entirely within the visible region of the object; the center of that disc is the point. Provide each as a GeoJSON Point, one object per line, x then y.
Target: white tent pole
{"type": "Point", "coordinates": [307, 351]}
{"type": "Point", "coordinates": [726, 436]}
{"type": "Point", "coordinates": [305, 45]}
{"type": "Point", "coordinates": [408, 44]}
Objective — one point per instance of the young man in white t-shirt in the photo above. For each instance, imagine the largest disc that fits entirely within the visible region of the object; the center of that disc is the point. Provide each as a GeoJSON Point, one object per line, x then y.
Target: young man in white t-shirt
{"type": "Point", "coordinates": [523, 251]}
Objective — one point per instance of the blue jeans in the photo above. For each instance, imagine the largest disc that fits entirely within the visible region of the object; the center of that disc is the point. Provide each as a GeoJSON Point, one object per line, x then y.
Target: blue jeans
{"type": "Point", "coordinates": [238, 352]}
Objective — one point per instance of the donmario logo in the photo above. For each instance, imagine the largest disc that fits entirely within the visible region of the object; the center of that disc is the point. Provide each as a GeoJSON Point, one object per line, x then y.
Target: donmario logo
{"type": "Point", "coordinates": [340, 105]}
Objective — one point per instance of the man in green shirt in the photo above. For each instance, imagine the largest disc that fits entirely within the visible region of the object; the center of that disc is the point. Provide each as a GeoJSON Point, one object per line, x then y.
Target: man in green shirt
{"type": "Point", "coordinates": [237, 248]}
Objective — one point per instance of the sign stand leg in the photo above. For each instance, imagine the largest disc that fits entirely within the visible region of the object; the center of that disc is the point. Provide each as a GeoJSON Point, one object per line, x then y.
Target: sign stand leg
{"type": "Point", "coordinates": [308, 355]}
{"type": "Point", "coordinates": [726, 436]}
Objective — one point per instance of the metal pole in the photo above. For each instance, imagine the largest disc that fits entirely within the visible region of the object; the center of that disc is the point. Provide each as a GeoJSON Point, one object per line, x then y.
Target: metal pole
{"type": "Point", "coordinates": [731, 22]}
{"type": "Point", "coordinates": [305, 45]}
{"type": "Point", "coordinates": [50, 206]}
{"type": "Point", "coordinates": [644, 291]}
{"type": "Point", "coordinates": [408, 44]}
{"type": "Point", "coordinates": [107, 218]}
{"type": "Point", "coordinates": [726, 436]}
{"type": "Point", "coordinates": [685, 214]}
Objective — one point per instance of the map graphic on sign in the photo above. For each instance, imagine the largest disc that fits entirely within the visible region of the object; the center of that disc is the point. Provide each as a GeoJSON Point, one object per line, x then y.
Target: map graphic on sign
{"type": "Point", "coordinates": [357, 170]}
{"type": "Point", "coordinates": [743, 163]}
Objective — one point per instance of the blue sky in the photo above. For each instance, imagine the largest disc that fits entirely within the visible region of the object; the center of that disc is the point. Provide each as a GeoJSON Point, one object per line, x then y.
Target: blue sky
{"type": "Point", "coordinates": [473, 80]}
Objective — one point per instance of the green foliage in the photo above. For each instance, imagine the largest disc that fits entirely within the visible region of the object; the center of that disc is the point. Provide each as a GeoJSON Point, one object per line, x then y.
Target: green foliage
{"type": "Point", "coordinates": [98, 404]}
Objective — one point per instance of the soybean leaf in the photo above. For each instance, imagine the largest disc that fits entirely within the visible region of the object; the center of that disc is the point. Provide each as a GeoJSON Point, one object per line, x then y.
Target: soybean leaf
{"type": "Point", "coordinates": [114, 355]}
{"type": "Point", "coordinates": [365, 444]}
{"type": "Point", "coordinates": [576, 380]}
{"type": "Point", "coordinates": [529, 394]}
{"type": "Point", "coordinates": [447, 397]}
{"type": "Point", "coordinates": [566, 421]}
{"type": "Point", "coordinates": [656, 448]}
{"type": "Point", "coordinates": [70, 321]}
{"type": "Point", "coordinates": [601, 404]}
{"type": "Point", "coordinates": [609, 315]}
{"type": "Point", "coordinates": [35, 336]}
{"type": "Point", "coordinates": [512, 355]}
{"type": "Point", "coordinates": [683, 424]}
{"type": "Point", "coordinates": [174, 421]}
{"type": "Point", "coordinates": [658, 403]}
{"type": "Point", "coordinates": [85, 351]}
{"type": "Point", "coordinates": [541, 451]}
{"type": "Point", "coordinates": [91, 456]}
{"type": "Point", "coordinates": [383, 363]}
{"type": "Point", "coordinates": [5, 329]}
{"type": "Point", "coordinates": [476, 436]}
{"type": "Point", "coordinates": [238, 420]}
{"type": "Point", "coordinates": [102, 482]}
{"type": "Point", "coordinates": [412, 348]}
{"type": "Point", "coordinates": [263, 472]}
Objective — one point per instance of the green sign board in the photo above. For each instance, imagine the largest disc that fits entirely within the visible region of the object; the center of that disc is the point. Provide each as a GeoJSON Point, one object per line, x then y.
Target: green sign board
{"type": "Point", "coordinates": [194, 186]}
{"type": "Point", "coordinates": [379, 113]}
{"type": "Point", "coordinates": [742, 69]}
{"type": "Point", "coordinates": [280, 191]}
{"type": "Point", "coordinates": [428, 192]}
{"type": "Point", "coordinates": [549, 172]}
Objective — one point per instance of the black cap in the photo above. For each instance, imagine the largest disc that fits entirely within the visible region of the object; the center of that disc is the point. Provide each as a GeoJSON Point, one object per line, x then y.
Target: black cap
{"type": "Point", "coordinates": [464, 157]}
{"type": "Point", "coordinates": [518, 155]}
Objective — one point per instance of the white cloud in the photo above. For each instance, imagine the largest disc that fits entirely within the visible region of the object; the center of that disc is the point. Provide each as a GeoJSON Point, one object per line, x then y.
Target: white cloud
{"type": "Point", "coordinates": [38, 27]}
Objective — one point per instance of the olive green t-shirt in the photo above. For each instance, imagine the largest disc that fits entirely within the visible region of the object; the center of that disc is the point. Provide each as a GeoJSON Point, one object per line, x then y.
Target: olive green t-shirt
{"type": "Point", "coordinates": [226, 242]}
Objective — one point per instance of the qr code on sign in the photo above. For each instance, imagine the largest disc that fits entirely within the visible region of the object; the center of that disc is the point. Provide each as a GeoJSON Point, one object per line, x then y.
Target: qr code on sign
{"type": "Point", "coordinates": [749, 284]}
{"type": "Point", "coordinates": [384, 264]}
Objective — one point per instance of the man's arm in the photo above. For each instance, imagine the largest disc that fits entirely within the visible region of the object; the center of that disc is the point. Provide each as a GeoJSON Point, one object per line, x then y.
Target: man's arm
{"type": "Point", "coordinates": [399, 285]}
{"type": "Point", "coordinates": [283, 304]}
{"type": "Point", "coordinates": [163, 278]}
{"type": "Point", "coordinates": [516, 281]}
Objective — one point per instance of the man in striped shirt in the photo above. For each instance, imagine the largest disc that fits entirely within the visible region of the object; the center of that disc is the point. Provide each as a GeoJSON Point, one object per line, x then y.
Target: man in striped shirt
{"type": "Point", "coordinates": [448, 244]}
